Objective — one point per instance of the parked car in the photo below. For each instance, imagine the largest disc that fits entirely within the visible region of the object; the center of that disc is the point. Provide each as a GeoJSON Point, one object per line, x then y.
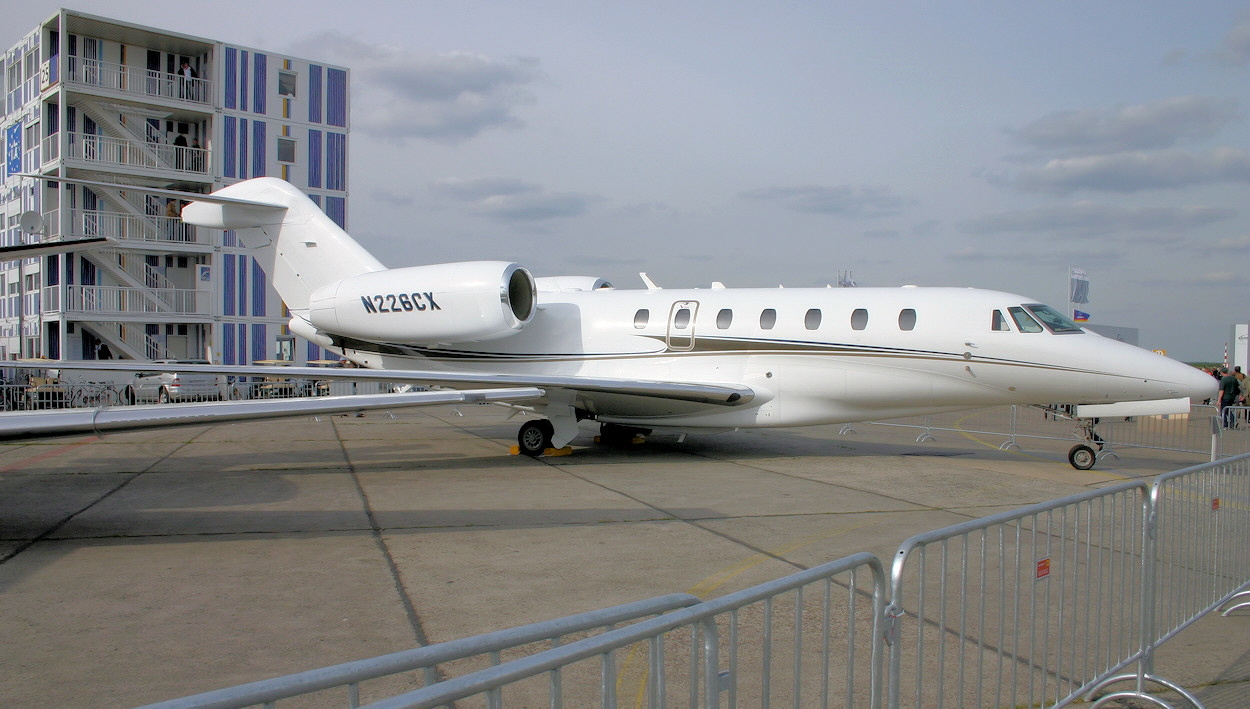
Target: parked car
{"type": "Point", "coordinates": [171, 385]}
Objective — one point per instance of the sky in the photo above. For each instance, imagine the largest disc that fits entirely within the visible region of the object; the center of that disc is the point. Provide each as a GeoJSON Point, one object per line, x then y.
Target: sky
{"type": "Point", "coordinates": [984, 144]}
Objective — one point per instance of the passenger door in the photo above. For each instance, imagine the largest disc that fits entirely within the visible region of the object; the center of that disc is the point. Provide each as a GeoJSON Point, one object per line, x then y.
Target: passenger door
{"type": "Point", "coordinates": [681, 318]}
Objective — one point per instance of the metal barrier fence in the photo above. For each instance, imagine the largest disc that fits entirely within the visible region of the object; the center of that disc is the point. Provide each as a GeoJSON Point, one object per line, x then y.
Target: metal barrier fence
{"type": "Point", "coordinates": [1037, 607]}
{"type": "Point", "coordinates": [39, 393]}
{"type": "Point", "coordinates": [1023, 608]}
{"type": "Point", "coordinates": [1199, 537]}
{"type": "Point", "coordinates": [432, 662]}
{"type": "Point", "coordinates": [782, 643]}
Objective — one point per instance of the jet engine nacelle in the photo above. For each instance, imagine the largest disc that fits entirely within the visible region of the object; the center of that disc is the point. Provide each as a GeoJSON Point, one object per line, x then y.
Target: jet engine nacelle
{"type": "Point", "coordinates": [452, 302]}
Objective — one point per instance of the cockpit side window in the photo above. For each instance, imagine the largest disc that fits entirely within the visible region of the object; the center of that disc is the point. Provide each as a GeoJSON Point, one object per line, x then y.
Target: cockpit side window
{"type": "Point", "coordinates": [1053, 319]}
{"type": "Point", "coordinates": [999, 323]}
{"type": "Point", "coordinates": [1024, 322]}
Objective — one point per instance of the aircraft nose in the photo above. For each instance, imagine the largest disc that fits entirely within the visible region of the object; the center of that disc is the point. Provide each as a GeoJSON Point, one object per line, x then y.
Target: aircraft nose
{"type": "Point", "coordinates": [1197, 384]}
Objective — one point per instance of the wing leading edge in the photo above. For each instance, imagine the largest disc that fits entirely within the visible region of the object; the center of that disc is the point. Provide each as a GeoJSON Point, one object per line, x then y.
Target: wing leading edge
{"type": "Point", "coordinates": [716, 394]}
{"type": "Point", "coordinates": [24, 424]}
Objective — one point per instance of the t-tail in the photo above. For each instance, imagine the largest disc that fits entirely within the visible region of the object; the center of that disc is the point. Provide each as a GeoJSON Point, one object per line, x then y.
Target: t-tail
{"type": "Point", "coordinates": [337, 290]}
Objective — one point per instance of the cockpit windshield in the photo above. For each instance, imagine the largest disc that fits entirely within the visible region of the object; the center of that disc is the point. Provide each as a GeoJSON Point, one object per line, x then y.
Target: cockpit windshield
{"type": "Point", "coordinates": [1053, 319]}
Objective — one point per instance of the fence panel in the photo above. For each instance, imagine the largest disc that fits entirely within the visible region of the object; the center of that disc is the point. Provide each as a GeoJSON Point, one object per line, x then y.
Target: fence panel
{"type": "Point", "coordinates": [1202, 538]}
{"type": "Point", "coordinates": [426, 665]}
{"type": "Point", "coordinates": [811, 639]}
{"type": "Point", "coordinates": [1024, 608]}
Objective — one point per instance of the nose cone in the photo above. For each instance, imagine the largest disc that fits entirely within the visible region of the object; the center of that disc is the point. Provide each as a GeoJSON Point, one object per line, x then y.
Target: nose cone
{"type": "Point", "coordinates": [1197, 384]}
{"type": "Point", "coordinates": [1173, 379]}
{"type": "Point", "coordinates": [1135, 374]}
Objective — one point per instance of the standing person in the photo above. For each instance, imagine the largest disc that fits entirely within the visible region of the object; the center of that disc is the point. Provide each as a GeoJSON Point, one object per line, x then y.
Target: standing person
{"type": "Point", "coordinates": [186, 80]}
{"type": "Point", "coordinates": [1230, 389]}
{"type": "Point", "coordinates": [1242, 400]}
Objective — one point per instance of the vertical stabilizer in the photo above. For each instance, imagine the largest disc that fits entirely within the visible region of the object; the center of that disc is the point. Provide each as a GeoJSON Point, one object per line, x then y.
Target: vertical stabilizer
{"type": "Point", "coordinates": [297, 245]}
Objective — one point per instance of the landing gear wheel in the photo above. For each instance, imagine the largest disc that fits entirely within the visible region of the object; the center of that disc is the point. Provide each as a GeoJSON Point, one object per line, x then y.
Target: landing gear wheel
{"type": "Point", "coordinates": [535, 437]}
{"type": "Point", "coordinates": [1082, 457]}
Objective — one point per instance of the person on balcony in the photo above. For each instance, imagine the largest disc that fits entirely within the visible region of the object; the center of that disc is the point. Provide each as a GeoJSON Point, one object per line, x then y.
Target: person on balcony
{"type": "Point", "coordinates": [186, 81]}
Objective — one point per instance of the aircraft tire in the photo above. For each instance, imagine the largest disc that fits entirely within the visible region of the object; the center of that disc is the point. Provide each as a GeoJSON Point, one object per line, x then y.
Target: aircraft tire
{"type": "Point", "coordinates": [535, 437]}
{"type": "Point", "coordinates": [1082, 457]}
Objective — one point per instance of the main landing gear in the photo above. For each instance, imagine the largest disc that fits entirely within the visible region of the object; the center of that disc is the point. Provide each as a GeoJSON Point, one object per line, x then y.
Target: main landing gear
{"type": "Point", "coordinates": [534, 438]}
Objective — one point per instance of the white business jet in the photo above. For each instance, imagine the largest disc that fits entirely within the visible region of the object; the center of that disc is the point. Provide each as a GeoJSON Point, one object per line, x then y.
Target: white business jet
{"type": "Point", "coordinates": [720, 358]}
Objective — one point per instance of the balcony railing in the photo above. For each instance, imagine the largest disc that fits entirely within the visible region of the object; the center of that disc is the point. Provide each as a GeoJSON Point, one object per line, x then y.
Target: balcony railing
{"type": "Point", "coordinates": [151, 156]}
{"type": "Point", "coordinates": [136, 81]}
{"type": "Point", "coordinates": [86, 223]}
{"type": "Point", "coordinates": [120, 301]}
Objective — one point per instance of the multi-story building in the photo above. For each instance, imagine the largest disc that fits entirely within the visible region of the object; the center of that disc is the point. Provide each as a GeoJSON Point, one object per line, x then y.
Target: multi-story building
{"type": "Point", "coordinates": [133, 107]}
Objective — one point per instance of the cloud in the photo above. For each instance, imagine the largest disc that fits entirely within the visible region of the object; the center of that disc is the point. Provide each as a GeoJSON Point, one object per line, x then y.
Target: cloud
{"type": "Point", "coordinates": [1100, 131]}
{"type": "Point", "coordinates": [1135, 171]}
{"type": "Point", "coordinates": [401, 94]}
{"type": "Point", "coordinates": [1088, 218]}
{"type": "Point", "coordinates": [509, 199]}
{"type": "Point", "coordinates": [845, 200]}
{"type": "Point", "coordinates": [1235, 48]}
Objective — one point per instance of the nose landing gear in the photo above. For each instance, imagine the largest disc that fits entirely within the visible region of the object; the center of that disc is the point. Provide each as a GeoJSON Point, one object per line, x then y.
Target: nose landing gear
{"type": "Point", "coordinates": [1083, 456]}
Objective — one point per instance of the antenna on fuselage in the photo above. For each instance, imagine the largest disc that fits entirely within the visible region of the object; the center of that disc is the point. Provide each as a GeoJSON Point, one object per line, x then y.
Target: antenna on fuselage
{"type": "Point", "coordinates": [650, 283]}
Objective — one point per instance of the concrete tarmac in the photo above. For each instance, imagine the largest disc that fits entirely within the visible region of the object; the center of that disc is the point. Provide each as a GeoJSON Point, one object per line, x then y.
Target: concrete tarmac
{"type": "Point", "coordinates": [146, 566]}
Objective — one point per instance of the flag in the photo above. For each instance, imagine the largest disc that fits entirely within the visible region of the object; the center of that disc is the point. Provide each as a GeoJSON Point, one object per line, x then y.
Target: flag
{"type": "Point", "coordinates": [1078, 316]}
{"type": "Point", "coordinates": [1080, 286]}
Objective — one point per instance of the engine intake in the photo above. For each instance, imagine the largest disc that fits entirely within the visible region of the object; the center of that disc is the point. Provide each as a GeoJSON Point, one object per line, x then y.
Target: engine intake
{"type": "Point", "coordinates": [453, 302]}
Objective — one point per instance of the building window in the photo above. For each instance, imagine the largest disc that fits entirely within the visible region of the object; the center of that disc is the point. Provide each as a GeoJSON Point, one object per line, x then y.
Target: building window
{"type": "Point", "coordinates": [286, 150]}
{"type": "Point", "coordinates": [286, 83]}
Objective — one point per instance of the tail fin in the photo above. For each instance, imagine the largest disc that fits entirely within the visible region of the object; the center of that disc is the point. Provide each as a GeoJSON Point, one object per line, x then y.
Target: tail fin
{"type": "Point", "coordinates": [294, 242]}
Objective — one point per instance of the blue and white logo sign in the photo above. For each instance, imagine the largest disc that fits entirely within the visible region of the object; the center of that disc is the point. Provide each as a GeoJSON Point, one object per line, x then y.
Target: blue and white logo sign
{"type": "Point", "coordinates": [13, 149]}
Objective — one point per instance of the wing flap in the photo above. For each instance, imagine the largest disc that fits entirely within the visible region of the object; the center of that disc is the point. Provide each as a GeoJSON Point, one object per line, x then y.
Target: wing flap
{"type": "Point", "coordinates": [121, 418]}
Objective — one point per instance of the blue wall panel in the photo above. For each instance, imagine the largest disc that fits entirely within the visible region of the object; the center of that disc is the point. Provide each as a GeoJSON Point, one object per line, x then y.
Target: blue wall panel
{"type": "Point", "coordinates": [315, 98]}
{"type": "Point", "coordinates": [260, 83]}
{"type": "Point", "coordinates": [336, 108]}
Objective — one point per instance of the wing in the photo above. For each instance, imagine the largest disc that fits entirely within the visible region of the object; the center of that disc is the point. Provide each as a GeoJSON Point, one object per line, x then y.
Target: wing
{"type": "Point", "coordinates": [713, 394]}
{"type": "Point", "coordinates": [55, 422]}
{"type": "Point", "coordinates": [591, 393]}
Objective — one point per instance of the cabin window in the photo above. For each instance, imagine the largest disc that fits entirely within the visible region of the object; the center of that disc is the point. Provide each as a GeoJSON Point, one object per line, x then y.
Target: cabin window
{"type": "Point", "coordinates": [907, 319]}
{"type": "Point", "coordinates": [641, 317]}
{"type": "Point", "coordinates": [859, 319]}
{"type": "Point", "coordinates": [1023, 321]}
{"type": "Point", "coordinates": [724, 319]}
{"type": "Point", "coordinates": [681, 320]}
{"type": "Point", "coordinates": [812, 320]}
{"type": "Point", "coordinates": [1053, 319]}
{"type": "Point", "coordinates": [768, 318]}
{"type": "Point", "coordinates": [998, 323]}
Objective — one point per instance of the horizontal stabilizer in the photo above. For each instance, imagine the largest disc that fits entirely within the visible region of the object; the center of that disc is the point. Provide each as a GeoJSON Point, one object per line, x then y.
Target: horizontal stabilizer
{"type": "Point", "coordinates": [1157, 407]}
{"type": "Point", "coordinates": [11, 253]}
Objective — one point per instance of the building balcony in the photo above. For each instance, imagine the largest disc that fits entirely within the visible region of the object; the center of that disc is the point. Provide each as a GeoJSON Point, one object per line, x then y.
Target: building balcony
{"type": "Point", "coordinates": [145, 84]}
{"type": "Point", "coordinates": [102, 152]}
{"type": "Point", "coordinates": [130, 230]}
{"type": "Point", "coordinates": [117, 303]}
